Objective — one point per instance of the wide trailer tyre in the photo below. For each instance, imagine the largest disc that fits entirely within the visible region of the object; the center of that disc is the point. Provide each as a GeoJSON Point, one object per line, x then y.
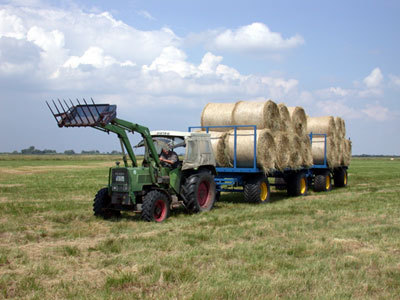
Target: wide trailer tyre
{"type": "Point", "coordinates": [322, 182]}
{"type": "Point", "coordinates": [297, 185]}
{"type": "Point", "coordinates": [340, 177]}
{"type": "Point", "coordinates": [101, 205]}
{"type": "Point", "coordinates": [155, 207]}
{"type": "Point", "coordinates": [258, 191]}
{"type": "Point", "coordinates": [200, 192]}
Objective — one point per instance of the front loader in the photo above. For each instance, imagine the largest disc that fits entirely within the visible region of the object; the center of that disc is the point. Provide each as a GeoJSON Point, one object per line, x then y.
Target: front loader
{"type": "Point", "coordinates": [151, 188]}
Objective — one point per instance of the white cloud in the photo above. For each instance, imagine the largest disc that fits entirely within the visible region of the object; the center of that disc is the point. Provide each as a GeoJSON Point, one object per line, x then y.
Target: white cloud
{"type": "Point", "coordinates": [255, 37]}
{"type": "Point", "coordinates": [374, 79]}
{"type": "Point", "coordinates": [11, 25]}
{"type": "Point", "coordinates": [377, 112]}
{"type": "Point", "coordinates": [394, 80]}
{"type": "Point", "coordinates": [146, 15]}
{"type": "Point", "coordinates": [95, 57]}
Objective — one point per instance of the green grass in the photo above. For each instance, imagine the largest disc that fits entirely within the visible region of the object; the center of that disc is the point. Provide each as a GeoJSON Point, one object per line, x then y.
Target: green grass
{"type": "Point", "coordinates": [341, 244]}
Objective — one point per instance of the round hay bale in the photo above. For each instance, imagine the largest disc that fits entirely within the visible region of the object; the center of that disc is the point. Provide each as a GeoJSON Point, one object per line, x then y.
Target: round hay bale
{"type": "Point", "coordinates": [266, 149]}
{"type": "Point", "coordinates": [263, 114]}
{"type": "Point", "coordinates": [307, 159]}
{"type": "Point", "coordinates": [296, 160]}
{"type": "Point", "coordinates": [299, 120]}
{"type": "Point", "coordinates": [318, 149]}
{"type": "Point", "coordinates": [286, 121]}
{"type": "Point", "coordinates": [321, 125]}
{"type": "Point", "coordinates": [282, 142]}
{"type": "Point", "coordinates": [218, 147]}
{"type": "Point", "coordinates": [217, 114]}
{"type": "Point", "coordinates": [340, 127]}
{"type": "Point", "coordinates": [347, 152]}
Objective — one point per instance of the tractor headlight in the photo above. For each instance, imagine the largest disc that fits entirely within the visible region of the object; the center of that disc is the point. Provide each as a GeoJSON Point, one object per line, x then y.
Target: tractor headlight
{"type": "Point", "coordinates": [120, 178]}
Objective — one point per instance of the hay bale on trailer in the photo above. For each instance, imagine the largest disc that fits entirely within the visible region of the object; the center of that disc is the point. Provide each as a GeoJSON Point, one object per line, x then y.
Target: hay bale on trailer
{"type": "Point", "coordinates": [347, 152]}
{"type": "Point", "coordinates": [322, 125]}
{"type": "Point", "coordinates": [340, 127]}
{"type": "Point", "coordinates": [283, 146]}
{"type": "Point", "coordinates": [296, 155]}
{"type": "Point", "coordinates": [299, 120]}
{"type": "Point", "coordinates": [318, 150]}
{"type": "Point", "coordinates": [286, 120]}
{"type": "Point", "coordinates": [307, 159]}
{"type": "Point", "coordinates": [263, 114]}
{"type": "Point", "coordinates": [266, 149]}
{"type": "Point", "coordinates": [217, 114]}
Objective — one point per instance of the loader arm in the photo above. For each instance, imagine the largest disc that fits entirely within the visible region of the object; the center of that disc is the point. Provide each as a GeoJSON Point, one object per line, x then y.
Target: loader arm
{"type": "Point", "coordinates": [103, 117]}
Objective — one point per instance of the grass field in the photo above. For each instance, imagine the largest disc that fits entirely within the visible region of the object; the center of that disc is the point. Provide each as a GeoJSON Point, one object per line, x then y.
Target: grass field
{"type": "Point", "coordinates": [341, 244]}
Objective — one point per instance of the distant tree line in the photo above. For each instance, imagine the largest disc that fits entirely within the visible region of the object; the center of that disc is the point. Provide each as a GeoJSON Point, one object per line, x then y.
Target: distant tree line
{"type": "Point", "coordinates": [33, 150]}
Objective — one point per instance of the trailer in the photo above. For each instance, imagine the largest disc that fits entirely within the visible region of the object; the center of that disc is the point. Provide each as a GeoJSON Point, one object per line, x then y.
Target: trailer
{"type": "Point", "coordinates": [255, 184]}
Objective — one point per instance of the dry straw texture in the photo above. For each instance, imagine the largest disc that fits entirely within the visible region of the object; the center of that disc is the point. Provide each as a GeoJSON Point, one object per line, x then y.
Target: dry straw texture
{"type": "Point", "coordinates": [286, 121]}
{"type": "Point", "coordinates": [263, 114]}
{"type": "Point", "coordinates": [296, 159]}
{"type": "Point", "coordinates": [340, 127]}
{"type": "Point", "coordinates": [266, 149]}
{"type": "Point", "coordinates": [299, 120]}
{"type": "Point", "coordinates": [217, 114]}
{"type": "Point", "coordinates": [282, 141]}
{"type": "Point", "coordinates": [318, 150]}
{"type": "Point", "coordinates": [307, 159]}
{"type": "Point", "coordinates": [322, 125]}
{"type": "Point", "coordinates": [347, 152]}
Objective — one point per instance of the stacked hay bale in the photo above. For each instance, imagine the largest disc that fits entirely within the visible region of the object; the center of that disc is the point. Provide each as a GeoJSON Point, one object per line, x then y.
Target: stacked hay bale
{"type": "Point", "coordinates": [338, 149]}
{"type": "Point", "coordinates": [282, 136]}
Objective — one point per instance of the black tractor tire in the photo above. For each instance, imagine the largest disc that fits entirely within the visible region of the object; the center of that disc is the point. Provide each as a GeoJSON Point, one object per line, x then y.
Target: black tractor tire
{"type": "Point", "coordinates": [101, 205]}
{"type": "Point", "coordinates": [297, 185]}
{"type": "Point", "coordinates": [340, 177]}
{"type": "Point", "coordinates": [322, 182]}
{"type": "Point", "coordinates": [199, 192]}
{"type": "Point", "coordinates": [257, 191]}
{"type": "Point", "coordinates": [155, 207]}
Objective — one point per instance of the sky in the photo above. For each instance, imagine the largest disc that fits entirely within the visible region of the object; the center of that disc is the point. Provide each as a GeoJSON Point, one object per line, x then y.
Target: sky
{"type": "Point", "coordinates": [161, 62]}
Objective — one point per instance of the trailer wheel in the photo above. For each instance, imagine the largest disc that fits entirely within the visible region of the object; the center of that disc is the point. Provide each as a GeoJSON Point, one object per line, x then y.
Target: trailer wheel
{"type": "Point", "coordinates": [200, 192]}
{"type": "Point", "coordinates": [340, 177]}
{"type": "Point", "coordinates": [258, 191]}
{"type": "Point", "coordinates": [297, 185]}
{"type": "Point", "coordinates": [322, 182]}
{"type": "Point", "coordinates": [155, 207]}
{"type": "Point", "coordinates": [101, 205]}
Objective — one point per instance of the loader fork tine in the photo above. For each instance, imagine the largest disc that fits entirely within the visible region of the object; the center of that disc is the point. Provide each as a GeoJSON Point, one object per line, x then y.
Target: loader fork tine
{"type": "Point", "coordinates": [65, 112]}
{"type": "Point", "coordinates": [77, 112]}
{"type": "Point", "coordinates": [69, 109]}
{"type": "Point", "coordinates": [94, 119]}
{"type": "Point", "coordinates": [87, 119]}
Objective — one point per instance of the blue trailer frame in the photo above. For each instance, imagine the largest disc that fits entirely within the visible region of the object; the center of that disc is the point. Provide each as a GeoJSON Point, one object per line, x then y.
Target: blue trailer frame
{"type": "Point", "coordinates": [236, 176]}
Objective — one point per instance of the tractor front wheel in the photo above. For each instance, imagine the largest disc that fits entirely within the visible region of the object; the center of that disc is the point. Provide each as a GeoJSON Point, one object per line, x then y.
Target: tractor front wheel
{"type": "Point", "coordinates": [200, 193]}
{"type": "Point", "coordinates": [155, 207]}
{"type": "Point", "coordinates": [101, 205]}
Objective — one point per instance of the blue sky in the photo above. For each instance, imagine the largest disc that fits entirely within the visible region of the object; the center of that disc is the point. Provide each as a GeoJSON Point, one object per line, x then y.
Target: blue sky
{"type": "Point", "coordinates": [162, 61]}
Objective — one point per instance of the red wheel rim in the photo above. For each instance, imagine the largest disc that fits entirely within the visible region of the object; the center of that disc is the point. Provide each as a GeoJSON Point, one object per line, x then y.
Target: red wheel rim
{"type": "Point", "coordinates": [203, 193]}
{"type": "Point", "coordinates": [160, 210]}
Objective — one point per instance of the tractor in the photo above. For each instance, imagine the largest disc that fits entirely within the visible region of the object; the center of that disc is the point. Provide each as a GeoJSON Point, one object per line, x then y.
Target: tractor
{"type": "Point", "coordinates": [153, 187]}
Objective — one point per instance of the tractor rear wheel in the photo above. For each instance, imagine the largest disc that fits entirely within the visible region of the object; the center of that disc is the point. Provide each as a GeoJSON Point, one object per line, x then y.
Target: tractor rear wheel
{"type": "Point", "coordinates": [257, 191]}
{"type": "Point", "coordinates": [199, 191]}
{"type": "Point", "coordinates": [340, 177]}
{"type": "Point", "coordinates": [322, 182]}
{"type": "Point", "coordinates": [297, 185]}
{"type": "Point", "coordinates": [155, 207]}
{"type": "Point", "coordinates": [101, 205]}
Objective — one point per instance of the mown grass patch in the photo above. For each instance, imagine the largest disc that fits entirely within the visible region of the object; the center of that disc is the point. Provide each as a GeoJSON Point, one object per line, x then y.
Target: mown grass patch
{"type": "Point", "coordinates": [341, 244]}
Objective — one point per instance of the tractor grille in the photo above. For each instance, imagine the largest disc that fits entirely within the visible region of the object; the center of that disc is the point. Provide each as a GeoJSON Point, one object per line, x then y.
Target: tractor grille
{"type": "Point", "coordinates": [120, 180]}
{"type": "Point", "coordinates": [144, 179]}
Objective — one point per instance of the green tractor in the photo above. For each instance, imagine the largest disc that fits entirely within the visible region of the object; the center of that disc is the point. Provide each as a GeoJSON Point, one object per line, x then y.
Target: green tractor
{"type": "Point", "coordinates": [152, 188]}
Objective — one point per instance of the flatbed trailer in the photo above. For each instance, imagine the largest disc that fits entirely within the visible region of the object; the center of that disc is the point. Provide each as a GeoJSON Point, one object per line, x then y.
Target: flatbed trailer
{"type": "Point", "coordinates": [255, 184]}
